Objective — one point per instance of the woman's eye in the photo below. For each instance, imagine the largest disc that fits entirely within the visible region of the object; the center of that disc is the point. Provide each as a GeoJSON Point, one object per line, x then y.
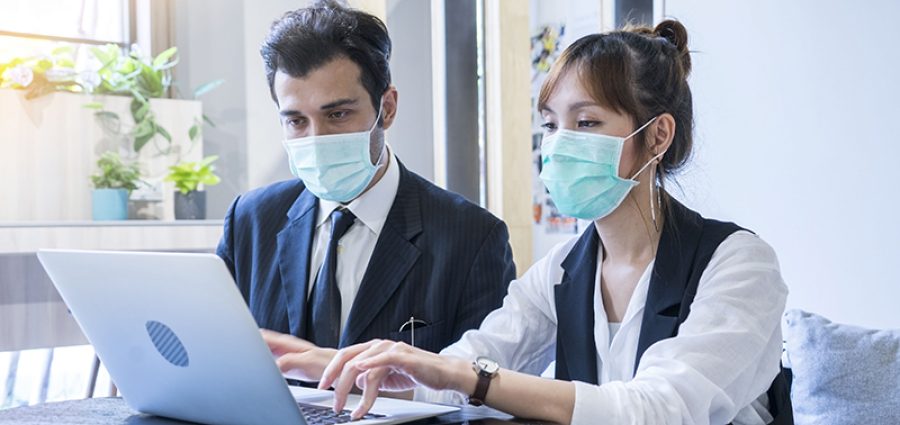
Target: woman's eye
{"type": "Point", "coordinates": [548, 126]}
{"type": "Point", "coordinates": [587, 123]}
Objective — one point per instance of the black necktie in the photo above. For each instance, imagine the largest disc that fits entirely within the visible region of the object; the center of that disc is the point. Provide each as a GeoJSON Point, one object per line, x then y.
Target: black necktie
{"type": "Point", "coordinates": [324, 324]}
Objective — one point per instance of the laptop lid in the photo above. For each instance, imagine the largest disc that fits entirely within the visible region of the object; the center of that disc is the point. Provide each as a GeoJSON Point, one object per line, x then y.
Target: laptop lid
{"type": "Point", "coordinates": [175, 334]}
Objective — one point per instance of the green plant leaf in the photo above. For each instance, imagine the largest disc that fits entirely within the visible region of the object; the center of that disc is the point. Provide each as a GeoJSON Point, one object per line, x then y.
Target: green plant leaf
{"type": "Point", "coordinates": [150, 81]}
{"type": "Point", "coordinates": [209, 121]}
{"type": "Point", "coordinates": [65, 63]}
{"type": "Point", "coordinates": [140, 141]}
{"type": "Point", "coordinates": [108, 121]}
{"type": "Point", "coordinates": [163, 132]}
{"type": "Point", "coordinates": [171, 64]}
{"type": "Point", "coordinates": [188, 176]}
{"type": "Point", "coordinates": [61, 50]}
{"type": "Point", "coordinates": [207, 87]}
{"type": "Point", "coordinates": [92, 105]}
{"type": "Point", "coordinates": [115, 174]}
{"type": "Point", "coordinates": [194, 132]}
{"type": "Point", "coordinates": [163, 57]}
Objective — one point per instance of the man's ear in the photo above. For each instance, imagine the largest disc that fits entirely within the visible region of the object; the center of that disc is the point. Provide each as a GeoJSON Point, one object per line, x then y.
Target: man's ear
{"type": "Point", "coordinates": [389, 102]}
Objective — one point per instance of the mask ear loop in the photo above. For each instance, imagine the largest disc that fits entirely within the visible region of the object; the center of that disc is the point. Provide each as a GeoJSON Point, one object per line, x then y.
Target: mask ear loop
{"type": "Point", "coordinates": [378, 163]}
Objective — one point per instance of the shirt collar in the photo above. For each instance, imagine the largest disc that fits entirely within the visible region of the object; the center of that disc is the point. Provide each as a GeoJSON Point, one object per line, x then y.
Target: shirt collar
{"type": "Point", "coordinates": [373, 206]}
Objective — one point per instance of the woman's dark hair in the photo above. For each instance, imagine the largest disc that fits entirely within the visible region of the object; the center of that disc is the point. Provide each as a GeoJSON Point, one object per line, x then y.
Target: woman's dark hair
{"type": "Point", "coordinates": [306, 39]}
{"type": "Point", "coordinates": [640, 72]}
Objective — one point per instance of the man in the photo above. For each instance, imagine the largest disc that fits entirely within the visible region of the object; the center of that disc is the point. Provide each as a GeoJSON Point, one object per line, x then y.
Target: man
{"type": "Point", "coordinates": [358, 247]}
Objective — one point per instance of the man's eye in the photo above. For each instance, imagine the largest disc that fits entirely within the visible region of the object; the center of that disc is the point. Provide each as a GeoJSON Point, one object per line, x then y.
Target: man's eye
{"type": "Point", "coordinates": [294, 122]}
{"type": "Point", "coordinates": [336, 115]}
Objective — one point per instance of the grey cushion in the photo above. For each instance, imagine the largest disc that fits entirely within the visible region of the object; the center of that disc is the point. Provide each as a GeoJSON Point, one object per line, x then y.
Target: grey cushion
{"type": "Point", "coordinates": [842, 374]}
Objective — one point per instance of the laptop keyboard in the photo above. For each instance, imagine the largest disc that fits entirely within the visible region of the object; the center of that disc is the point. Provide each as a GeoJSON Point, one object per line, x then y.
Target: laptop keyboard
{"type": "Point", "coordinates": [322, 415]}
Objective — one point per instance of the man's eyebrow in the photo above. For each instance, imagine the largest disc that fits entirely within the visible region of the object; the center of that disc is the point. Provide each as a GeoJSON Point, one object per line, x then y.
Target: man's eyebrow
{"type": "Point", "coordinates": [325, 107]}
{"type": "Point", "coordinates": [337, 103]}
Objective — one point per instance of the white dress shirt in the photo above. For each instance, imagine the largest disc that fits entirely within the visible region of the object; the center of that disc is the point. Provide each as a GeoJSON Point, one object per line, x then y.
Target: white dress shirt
{"type": "Point", "coordinates": [716, 370]}
{"type": "Point", "coordinates": [356, 246]}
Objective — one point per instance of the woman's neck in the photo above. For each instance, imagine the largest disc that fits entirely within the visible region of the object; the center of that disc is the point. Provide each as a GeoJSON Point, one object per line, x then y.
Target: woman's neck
{"type": "Point", "coordinates": [629, 234]}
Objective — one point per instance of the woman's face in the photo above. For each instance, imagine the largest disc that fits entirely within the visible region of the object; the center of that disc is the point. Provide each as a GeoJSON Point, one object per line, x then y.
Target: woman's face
{"type": "Point", "coordinates": [571, 107]}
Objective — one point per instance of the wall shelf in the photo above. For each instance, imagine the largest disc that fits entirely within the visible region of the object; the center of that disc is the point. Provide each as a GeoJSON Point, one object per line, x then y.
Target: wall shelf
{"type": "Point", "coordinates": [145, 235]}
{"type": "Point", "coordinates": [32, 315]}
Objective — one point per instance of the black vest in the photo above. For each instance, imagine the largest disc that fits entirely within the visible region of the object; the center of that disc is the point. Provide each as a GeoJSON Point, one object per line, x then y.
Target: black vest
{"type": "Point", "coordinates": [686, 245]}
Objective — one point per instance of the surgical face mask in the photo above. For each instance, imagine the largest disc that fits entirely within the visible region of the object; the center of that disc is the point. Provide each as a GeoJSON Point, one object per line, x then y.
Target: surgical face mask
{"type": "Point", "coordinates": [581, 171]}
{"type": "Point", "coordinates": [334, 167]}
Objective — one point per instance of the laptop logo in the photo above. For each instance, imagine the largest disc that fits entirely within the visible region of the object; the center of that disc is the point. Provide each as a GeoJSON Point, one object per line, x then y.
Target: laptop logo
{"type": "Point", "coordinates": [167, 343]}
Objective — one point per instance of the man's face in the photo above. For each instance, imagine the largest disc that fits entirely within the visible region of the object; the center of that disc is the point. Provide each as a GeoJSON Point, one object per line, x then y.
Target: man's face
{"type": "Point", "coordinates": [331, 100]}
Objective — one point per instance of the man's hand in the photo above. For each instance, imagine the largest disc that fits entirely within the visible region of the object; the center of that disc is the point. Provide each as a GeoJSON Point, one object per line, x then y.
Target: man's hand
{"type": "Point", "coordinates": [298, 359]}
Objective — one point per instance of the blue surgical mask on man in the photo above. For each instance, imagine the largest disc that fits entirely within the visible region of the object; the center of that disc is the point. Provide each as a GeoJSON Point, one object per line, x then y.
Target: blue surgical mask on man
{"type": "Point", "coordinates": [334, 167]}
{"type": "Point", "coordinates": [581, 172]}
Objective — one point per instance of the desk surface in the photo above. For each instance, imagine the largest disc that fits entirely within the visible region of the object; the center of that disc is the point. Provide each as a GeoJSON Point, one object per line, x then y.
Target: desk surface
{"type": "Point", "coordinates": [114, 411]}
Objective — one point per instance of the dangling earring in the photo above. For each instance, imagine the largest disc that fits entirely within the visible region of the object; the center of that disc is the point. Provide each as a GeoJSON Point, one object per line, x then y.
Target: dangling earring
{"type": "Point", "coordinates": [655, 183]}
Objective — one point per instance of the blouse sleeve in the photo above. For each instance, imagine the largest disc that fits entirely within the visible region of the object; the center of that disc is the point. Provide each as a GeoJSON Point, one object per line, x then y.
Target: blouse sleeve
{"type": "Point", "coordinates": [521, 334]}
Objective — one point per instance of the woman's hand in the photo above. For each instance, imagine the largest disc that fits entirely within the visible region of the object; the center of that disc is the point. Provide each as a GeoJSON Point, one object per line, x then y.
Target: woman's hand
{"type": "Point", "coordinates": [392, 366]}
{"type": "Point", "coordinates": [297, 358]}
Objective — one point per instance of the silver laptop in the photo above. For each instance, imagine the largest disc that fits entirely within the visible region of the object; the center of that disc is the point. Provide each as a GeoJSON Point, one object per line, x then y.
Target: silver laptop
{"type": "Point", "coordinates": [178, 340]}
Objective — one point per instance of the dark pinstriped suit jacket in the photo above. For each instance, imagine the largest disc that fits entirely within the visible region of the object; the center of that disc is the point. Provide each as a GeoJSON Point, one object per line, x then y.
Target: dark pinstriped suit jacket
{"type": "Point", "coordinates": [439, 258]}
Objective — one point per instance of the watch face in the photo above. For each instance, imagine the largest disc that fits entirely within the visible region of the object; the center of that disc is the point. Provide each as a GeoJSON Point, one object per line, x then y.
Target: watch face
{"type": "Point", "coordinates": [487, 365]}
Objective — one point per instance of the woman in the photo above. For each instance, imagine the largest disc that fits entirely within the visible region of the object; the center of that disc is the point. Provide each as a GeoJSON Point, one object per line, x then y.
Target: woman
{"type": "Point", "coordinates": [653, 315]}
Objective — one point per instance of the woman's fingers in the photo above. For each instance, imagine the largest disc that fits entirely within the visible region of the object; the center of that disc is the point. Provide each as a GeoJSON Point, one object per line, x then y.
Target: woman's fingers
{"type": "Point", "coordinates": [336, 366]}
{"type": "Point", "coordinates": [349, 372]}
{"type": "Point", "coordinates": [371, 382]}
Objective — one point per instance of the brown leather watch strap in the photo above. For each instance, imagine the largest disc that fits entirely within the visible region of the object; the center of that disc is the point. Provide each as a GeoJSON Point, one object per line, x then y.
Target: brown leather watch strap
{"type": "Point", "coordinates": [481, 389]}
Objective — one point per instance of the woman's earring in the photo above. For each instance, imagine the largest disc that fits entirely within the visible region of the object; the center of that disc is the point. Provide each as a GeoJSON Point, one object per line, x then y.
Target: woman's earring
{"type": "Point", "coordinates": [654, 183]}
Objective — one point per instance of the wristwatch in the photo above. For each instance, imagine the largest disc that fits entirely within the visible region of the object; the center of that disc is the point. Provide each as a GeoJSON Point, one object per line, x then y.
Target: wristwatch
{"type": "Point", "coordinates": [486, 369]}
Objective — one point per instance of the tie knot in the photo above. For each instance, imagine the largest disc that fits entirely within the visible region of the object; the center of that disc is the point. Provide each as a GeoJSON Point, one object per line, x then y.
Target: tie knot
{"type": "Point", "coordinates": [341, 220]}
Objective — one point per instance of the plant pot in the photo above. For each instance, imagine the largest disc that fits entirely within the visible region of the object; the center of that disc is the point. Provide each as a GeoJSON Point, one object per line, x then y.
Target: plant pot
{"type": "Point", "coordinates": [191, 206]}
{"type": "Point", "coordinates": [109, 204]}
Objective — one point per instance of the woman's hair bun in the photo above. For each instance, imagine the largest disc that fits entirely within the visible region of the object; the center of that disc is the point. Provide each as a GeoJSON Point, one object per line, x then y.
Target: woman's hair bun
{"type": "Point", "coordinates": [675, 33]}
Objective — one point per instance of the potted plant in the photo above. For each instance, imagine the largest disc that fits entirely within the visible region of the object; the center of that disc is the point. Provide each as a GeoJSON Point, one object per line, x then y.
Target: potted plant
{"type": "Point", "coordinates": [112, 186]}
{"type": "Point", "coordinates": [190, 178]}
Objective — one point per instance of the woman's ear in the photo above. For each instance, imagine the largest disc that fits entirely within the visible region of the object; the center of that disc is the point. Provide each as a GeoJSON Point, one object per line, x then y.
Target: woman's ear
{"type": "Point", "coordinates": [390, 107]}
{"type": "Point", "coordinates": [661, 134]}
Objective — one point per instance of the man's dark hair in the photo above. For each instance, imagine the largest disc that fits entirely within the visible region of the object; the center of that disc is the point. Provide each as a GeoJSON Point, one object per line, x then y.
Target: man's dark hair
{"type": "Point", "coordinates": [306, 39]}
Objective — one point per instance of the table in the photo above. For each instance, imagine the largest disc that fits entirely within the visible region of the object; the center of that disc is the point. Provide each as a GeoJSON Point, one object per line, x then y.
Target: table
{"type": "Point", "coordinates": [114, 411]}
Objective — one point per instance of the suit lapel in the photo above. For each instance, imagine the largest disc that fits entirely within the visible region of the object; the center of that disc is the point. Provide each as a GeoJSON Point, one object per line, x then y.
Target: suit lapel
{"type": "Point", "coordinates": [674, 258]}
{"type": "Point", "coordinates": [294, 253]}
{"type": "Point", "coordinates": [575, 310]}
{"type": "Point", "coordinates": [391, 261]}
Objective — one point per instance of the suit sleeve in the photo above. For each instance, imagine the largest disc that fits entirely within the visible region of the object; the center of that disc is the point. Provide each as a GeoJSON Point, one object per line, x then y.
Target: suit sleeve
{"type": "Point", "coordinates": [225, 250]}
{"type": "Point", "coordinates": [487, 280]}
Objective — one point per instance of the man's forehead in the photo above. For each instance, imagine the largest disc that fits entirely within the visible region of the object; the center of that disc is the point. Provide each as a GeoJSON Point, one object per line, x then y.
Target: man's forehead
{"type": "Point", "coordinates": [316, 92]}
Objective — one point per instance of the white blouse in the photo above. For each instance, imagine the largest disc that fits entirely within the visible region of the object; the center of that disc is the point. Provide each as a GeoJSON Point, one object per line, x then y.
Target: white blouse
{"type": "Point", "coordinates": [717, 369]}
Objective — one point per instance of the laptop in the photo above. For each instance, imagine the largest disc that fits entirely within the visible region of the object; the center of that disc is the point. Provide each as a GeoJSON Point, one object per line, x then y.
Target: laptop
{"type": "Point", "coordinates": [178, 340]}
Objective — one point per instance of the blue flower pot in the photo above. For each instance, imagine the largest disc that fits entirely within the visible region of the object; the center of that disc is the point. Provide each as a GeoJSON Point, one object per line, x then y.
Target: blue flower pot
{"type": "Point", "coordinates": [110, 204]}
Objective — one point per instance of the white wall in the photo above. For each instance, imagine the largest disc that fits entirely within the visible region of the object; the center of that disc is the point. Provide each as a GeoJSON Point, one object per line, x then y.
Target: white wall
{"type": "Point", "coordinates": [795, 106]}
{"type": "Point", "coordinates": [411, 136]}
{"type": "Point", "coordinates": [266, 159]}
